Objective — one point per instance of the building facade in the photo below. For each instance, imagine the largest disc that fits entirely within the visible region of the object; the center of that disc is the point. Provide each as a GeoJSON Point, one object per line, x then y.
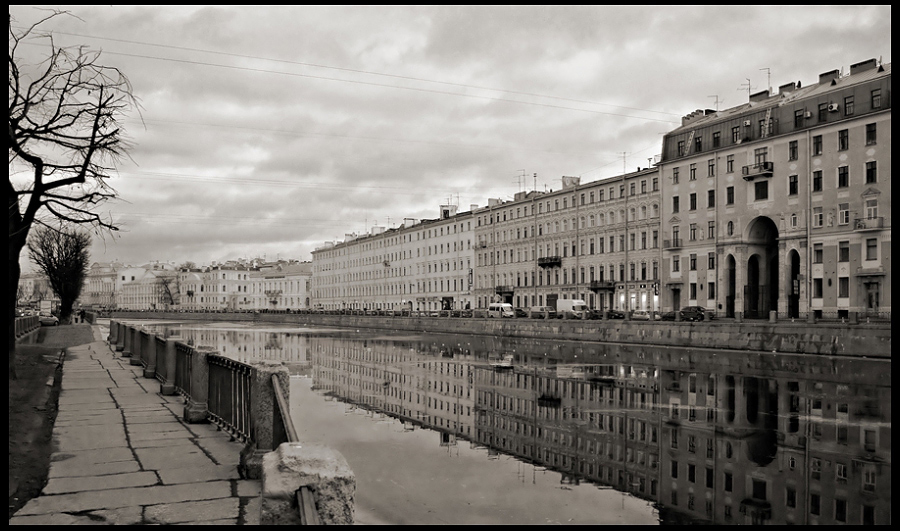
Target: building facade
{"type": "Point", "coordinates": [598, 242]}
{"type": "Point", "coordinates": [420, 266]}
{"type": "Point", "coordinates": [783, 204]}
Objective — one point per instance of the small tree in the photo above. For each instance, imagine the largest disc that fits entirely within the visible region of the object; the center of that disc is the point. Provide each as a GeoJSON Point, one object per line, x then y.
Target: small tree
{"type": "Point", "coordinates": [65, 138]}
{"type": "Point", "coordinates": [168, 290]}
{"type": "Point", "coordinates": [64, 258]}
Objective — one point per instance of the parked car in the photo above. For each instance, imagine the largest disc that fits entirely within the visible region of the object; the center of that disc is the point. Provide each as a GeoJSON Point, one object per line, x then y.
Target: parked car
{"type": "Point", "coordinates": [641, 315]}
{"type": "Point", "coordinates": [615, 314]}
{"type": "Point", "coordinates": [693, 313]}
{"type": "Point", "coordinates": [667, 316]}
{"type": "Point", "coordinates": [538, 312]}
{"type": "Point", "coordinates": [48, 319]}
{"type": "Point", "coordinates": [520, 312]}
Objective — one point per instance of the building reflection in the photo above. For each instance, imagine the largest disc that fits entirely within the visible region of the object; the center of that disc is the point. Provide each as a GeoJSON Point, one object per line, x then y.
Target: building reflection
{"type": "Point", "coordinates": [709, 437]}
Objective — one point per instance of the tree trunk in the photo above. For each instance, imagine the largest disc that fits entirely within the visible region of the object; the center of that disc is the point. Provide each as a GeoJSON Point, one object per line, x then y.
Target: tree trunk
{"type": "Point", "coordinates": [16, 243]}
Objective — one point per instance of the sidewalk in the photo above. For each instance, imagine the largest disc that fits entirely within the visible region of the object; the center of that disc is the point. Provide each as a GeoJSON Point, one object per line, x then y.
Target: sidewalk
{"type": "Point", "coordinates": [122, 454]}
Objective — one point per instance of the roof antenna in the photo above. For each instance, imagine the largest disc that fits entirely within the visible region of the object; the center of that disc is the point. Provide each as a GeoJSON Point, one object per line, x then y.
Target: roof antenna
{"type": "Point", "coordinates": [769, 78]}
{"type": "Point", "coordinates": [717, 102]}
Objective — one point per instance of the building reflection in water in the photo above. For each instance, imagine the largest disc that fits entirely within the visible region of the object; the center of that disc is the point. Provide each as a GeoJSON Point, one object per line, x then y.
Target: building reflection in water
{"type": "Point", "coordinates": [708, 436]}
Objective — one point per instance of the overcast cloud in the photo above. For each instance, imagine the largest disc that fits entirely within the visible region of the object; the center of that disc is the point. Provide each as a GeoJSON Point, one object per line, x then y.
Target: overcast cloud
{"type": "Point", "coordinates": [269, 130]}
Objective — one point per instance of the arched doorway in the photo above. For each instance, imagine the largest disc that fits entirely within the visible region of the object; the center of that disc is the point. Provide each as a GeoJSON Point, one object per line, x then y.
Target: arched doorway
{"type": "Point", "coordinates": [793, 284]}
{"type": "Point", "coordinates": [761, 289]}
{"type": "Point", "coordinates": [730, 285]}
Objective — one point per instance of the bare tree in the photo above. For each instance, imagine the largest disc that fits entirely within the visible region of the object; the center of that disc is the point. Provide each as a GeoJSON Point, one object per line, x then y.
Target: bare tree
{"type": "Point", "coordinates": [168, 289]}
{"type": "Point", "coordinates": [65, 138]}
{"type": "Point", "coordinates": [63, 257]}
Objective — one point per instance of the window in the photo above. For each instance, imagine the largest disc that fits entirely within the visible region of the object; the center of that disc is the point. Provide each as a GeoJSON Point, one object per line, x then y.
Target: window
{"type": "Point", "coordinates": [790, 497]}
{"type": "Point", "coordinates": [843, 287]}
{"type": "Point", "coordinates": [844, 251]}
{"type": "Point", "coordinates": [762, 190]}
{"type": "Point", "coordinates": [693, 263]}
{"type": "Point", "coordinates": [843, 140]}
{"type": "Point", "coordinates": [848, 105]}
{"type": "Point", "coordinates": [710, 198]}
{"type": "Point", "coordinates": [698, 143]}
{"type": "Point", "coordinates": [693, 170]}
{"type": "Point", "coordinates": [840, 472]}
{"type": "Point", "coordinates": [655, 186]}
{"type": "Point", "coordinates": [843, 177]}
{"type": "Point", "coordinates": [823, 112]}
{"type": "Point", "coordinates": [730, 228]}
{"type": "Point", "coordinates": [815, 504]}
{"type": "Point", "coordinates": [681, 148]}
{"type": "Point", "coordinates": [840, 510]}
{"type": "Point", "coordinates": [793, 150]}
{"type": "Point", "coordinates": [729, 195]}
{"type": "Point", "coordinates": [675, 172]}
{"type": "Point", "coordinates": [676, 263]}
{"type": "Point", "coordinates": [760, 156]}
{"type": "Point", "coordinates": [817, 181]}
{"type": "Point", "coordinates": [711, 294]}
{"type": "Point", "coordinates": [871, 134]}
{"type": "Point", "coordinates": [793, 185]}
{"type": "Point", "coordinates": [872, 249]}
{"type": "Point", "coordinates": [711, 168]}
{"type": "Point", "coordinates": [728, 482]}
{"type": "Point", "coordinates": [798, 118]}
{"type": "Point", "coordinates": [871, 208]}
{"type": "Point", "coordinates": [843, 213]}
{"type": "Point", "coordinates": [716, 139]}
{"type": "Point", "coordinates": [729, 164]}
{"type": "Point", "coordinates": [675, 204]}
{"type": "Point", "coordinates": [818, 217]}
{"type": "Point", "coordinates": [817, 145]}
{"type": "Point", "coordinates": [735, 134]}
{"type": "Point", "coordinates": [711, 262]}
{"type": "Point", "coordinates": [817, 288]}
{"type": "Point", "coordinates": [871, 172]}
{"type": "Point", "coordinates": [693, 201]}
{"type": "Point", "coordinates": [876, 99]}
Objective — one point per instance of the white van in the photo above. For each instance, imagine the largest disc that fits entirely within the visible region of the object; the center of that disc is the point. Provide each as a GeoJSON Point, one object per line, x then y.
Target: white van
{"type": "Point", "coordinates": [500, 309]}
{"type": "Point", "coordinates": [571, 308]}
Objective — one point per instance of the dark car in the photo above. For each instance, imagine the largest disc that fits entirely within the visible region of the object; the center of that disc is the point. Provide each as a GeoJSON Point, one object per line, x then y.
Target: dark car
{"type": "Point", "coordinates": [693, 313]}
{"type": "Point", "coordinates": [615, 314]}
{"type": "Point", "coordinates": [520, 312]}
{"type": "Point", "coordinates": [667, 316]}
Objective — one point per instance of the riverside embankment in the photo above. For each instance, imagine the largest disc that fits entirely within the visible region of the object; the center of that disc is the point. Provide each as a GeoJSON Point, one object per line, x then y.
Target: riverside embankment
{"type": "Point", "coordinates": [794, 337]}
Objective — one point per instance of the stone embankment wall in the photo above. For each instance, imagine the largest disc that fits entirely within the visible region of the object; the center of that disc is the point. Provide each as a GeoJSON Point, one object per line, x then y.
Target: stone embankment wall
{"type": "Point", "coordinates": [831, 338]}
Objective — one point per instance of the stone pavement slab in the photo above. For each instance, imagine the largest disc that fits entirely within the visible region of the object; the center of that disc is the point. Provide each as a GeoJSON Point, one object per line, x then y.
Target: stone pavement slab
{"type": "Point", "coordinates": [123, 455]}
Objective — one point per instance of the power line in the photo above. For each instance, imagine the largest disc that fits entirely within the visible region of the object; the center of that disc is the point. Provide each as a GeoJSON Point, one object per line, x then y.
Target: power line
{"type": "Point", "coordinates": [358, 71]}
{"type": "Point", "coordinates": [369, 83]}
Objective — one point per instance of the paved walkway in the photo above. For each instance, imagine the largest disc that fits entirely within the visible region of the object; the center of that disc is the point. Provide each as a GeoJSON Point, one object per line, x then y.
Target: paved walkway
{"type": "Point", "coordinates": [122, 454]}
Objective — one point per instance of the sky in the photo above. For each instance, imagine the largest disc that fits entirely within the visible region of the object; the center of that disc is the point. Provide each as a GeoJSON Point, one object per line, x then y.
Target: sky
{"type": "Point", "coordinates": [267, 131]}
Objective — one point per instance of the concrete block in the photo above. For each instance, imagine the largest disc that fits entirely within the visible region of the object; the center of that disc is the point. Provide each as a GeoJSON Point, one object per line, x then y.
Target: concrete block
{"type": "Point", "coordinates": [320, 468]}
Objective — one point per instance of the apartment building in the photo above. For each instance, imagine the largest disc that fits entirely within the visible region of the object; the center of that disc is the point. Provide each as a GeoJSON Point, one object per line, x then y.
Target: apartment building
{"type": "Point", "coordinates": [783, 204]}
{"type": "Point", "coordinates": [421, 265]}
{"type": "Point", "coordinates": [598, 242]}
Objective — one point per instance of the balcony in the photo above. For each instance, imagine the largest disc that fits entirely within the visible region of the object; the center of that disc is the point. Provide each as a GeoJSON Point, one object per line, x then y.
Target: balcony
{"type": "Point", "coordinates": [674, 243]}
{"type": "Point", "coordinates": [760, 169]}
{"type": "Point", "coordinates": [550, 261]}
{"type": "Point", "coordinates": [602, 285]}
{"type": "Point", "coordinates": [502, 290]}
{"type": "Point", "coordinates": [867, 224]}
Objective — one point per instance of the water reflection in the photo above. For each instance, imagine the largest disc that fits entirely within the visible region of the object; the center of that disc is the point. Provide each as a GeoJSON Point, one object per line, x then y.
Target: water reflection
{"type": "Point", "coordinates": [706, 436]}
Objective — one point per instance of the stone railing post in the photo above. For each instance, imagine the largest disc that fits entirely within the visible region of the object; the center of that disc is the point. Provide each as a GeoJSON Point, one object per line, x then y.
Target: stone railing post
{"type": "Point", "coordinates": [263, 408]}
{"type": "Point", "coordinates": [113, 333]}
{"type": "Point", "coordinates": [129, 338]}
{"type": "Point", "coordinates": [324, 472]}
{"type": "Point", "coordinates": [168, 388]}
{"type": "Point", "coordinates": [150, 357]}
{"type": "Point", "coordinates": [135, 346]}
{"type": "Point", "coordinates": [196, 407]}
{"type": "Point", "coordinates": [120, 337]}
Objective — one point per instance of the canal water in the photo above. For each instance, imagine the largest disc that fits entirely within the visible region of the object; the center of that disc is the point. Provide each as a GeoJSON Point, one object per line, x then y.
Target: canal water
{"type": "Point", "coordinates": [470, 429]}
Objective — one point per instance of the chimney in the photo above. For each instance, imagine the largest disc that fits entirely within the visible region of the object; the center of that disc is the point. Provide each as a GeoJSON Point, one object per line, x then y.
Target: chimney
{"type": "Point", "coordinates": [448, 211]}
{"type": "Point", "coordinates": [827, 77]}
{"type": "Point", "coordinates": [787, 88]}
{"type": "Point", "coordinates": [570, 182]}
{"type": "Point", "coordinates": [760, 96]}
{"type": "Point", "coordinates": [863, 66]}
{"type": "Point", "coordinates": [473, 207]}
